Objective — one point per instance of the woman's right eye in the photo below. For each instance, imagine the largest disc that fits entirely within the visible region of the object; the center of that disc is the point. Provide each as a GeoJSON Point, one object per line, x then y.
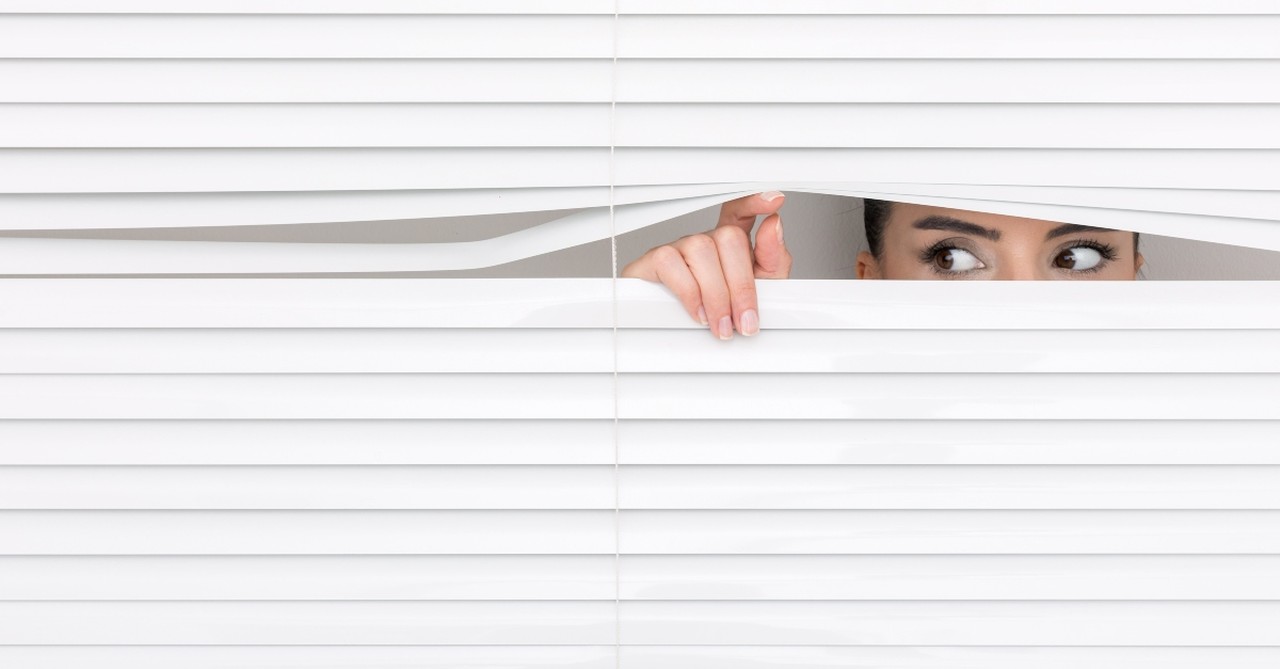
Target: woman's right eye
{"type": "Point", "coordinates": [956, 260]}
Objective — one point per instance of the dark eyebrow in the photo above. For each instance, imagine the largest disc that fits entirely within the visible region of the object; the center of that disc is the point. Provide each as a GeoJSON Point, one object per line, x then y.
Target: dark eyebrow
{"type": "Point", "coordinates": [1068, 228]}
{"type": "Point", "coordinates": [957, 225]}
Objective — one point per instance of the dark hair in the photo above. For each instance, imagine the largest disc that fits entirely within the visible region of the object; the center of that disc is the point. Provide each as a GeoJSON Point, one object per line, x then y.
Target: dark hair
{"type": "Point", "coordinates": [875, 213]}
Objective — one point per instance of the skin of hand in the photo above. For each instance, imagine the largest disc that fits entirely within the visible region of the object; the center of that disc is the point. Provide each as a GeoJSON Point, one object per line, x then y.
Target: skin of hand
{"type": "Point", "coordinates": [713, 273]}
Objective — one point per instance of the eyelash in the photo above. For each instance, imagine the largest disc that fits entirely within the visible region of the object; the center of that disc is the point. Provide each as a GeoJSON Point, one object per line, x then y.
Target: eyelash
{"type": "Point", "coordinates": [1107, 251]}
{"type": "Point", "coordinates": [926, 257]}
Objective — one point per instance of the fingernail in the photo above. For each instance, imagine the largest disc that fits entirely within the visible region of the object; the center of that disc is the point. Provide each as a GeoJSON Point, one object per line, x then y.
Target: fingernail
{"type": "Point", "coordinates": [726, 328]}
{"type": "Point", "coordinates": [702, 315]}
{"type": "Point", "coordinates": [772, 195]}
{"type": "Point", "coordinates": [750, 322]}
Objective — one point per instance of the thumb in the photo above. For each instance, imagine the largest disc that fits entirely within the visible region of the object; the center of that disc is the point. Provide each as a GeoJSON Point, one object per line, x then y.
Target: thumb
{"type": "Point", "coordinates": [773, 261]}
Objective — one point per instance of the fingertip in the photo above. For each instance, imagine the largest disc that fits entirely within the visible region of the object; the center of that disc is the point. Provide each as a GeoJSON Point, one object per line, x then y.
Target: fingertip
{"type": "Point", "coordinates": [770, 196]}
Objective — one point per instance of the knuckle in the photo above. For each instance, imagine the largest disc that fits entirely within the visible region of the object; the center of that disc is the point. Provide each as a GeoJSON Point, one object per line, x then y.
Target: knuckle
{"type": "Point", "coordinates": [698, 244]}
{"type": "Point", "coordinates": [729, 234]}
{"type": "Point", "coordinates": [743, 290]}
{"type": "Point", "coordinates": [666, 255]}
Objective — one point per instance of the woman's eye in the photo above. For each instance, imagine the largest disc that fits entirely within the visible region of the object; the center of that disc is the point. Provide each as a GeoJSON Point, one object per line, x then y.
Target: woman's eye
{"type": "Point", "coordinates": [1078, 258]}
{"type": "Point", "coordinates": [956, 260]}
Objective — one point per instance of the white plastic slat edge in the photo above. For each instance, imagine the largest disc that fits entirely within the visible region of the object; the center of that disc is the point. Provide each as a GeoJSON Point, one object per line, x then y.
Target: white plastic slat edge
{"type": "Point", "coordinates": [1071, 441]}
{"type": "Point", "coordinates": [319, 577]}
{"type": "Point", "coordinates": [247, 80]}
{"type": "Point", "coordinates": [269, 532]}
{"type": "Point", "coordinates": [308, 623]}
{"type": "Point", "coordinates": [943, 7]}
{"type": "Point", "coordinates": [950, 532]}
{"type": "Point", "coordinates": [328, 656]}
{"type": "Point", "coordinates": [305, 36]}
{"type": "Point", "coordinates": [947, 577]}
{"type": "Point", "coordinates": [324, 7]}
{"type": "Point", "coordinates": [933, 81]}
{"type": "Point", "coordinates": [1063, 36]}
{"type": "Point", "coordinates": [954, 623]}
{"type": "Point", "coordinates": [311, 442]}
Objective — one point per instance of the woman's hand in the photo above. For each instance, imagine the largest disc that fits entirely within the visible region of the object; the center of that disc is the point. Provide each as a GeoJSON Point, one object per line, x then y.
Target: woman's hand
{"type": "Point", "coordinates": [713, 273]}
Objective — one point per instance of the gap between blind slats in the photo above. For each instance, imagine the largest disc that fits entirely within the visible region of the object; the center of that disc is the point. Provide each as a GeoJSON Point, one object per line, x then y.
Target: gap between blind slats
{"type": "Point", "coordinates": [36, 256]}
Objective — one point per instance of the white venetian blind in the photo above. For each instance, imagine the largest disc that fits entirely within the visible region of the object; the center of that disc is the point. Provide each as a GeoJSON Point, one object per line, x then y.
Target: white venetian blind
{"type": "Point", "coordinates": [440, 473]}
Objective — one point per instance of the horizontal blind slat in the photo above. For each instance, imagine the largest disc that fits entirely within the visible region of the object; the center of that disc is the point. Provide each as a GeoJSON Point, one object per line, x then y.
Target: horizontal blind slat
{"type": "Point", "coordinates": [267, 396]}
{"type": "Point", "coordinates": [308, 577]}
{"type": "Point", "coordinates": [948, 657]}
{"type": "Point", "coordinates": [222, 125]}
{"type": "Point", "coordinates": [954, 623]}
{"type": "Point", "coordinates": [291, 623]}
{"type": "Point", "coordinates": [248, 80]}
{"type": "Point", "coordinates": [293, 351]}
{"type": "Point", "coordinates": [955, 396]}
{"type": "Point", "coordinates": [950, 577]}
{"type": "Point", "coordinates": [1067, 441]}
{"type": "Point", "coordinates": [289, 487]}
{"type": "Point", "coordinates": [944, 487]}
{"type": "Point", "coordinates": [955, 36]}
{"type": "Point", "coordinates": [956, 351]}
{"type": "Point", "coordinates": [328, 656]}
{"type": "Point", "coordinates": [306, 442]}
{"type": "Point", "coordinates": [266, 532]}
{"type": "Point", "coordinates": [304, 36]}
{"type": "Point", "coordinates": [1011, 532]}
{"type": "Point", "coordinates": [928, 81]}
{"type": "Point", "coordinates": [876, 125]}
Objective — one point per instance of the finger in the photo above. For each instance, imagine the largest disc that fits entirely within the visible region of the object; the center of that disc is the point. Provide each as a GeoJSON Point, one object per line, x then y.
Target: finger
{"type": "Point", "coordinates": [702, 258]}
{"type": "Point", "coordinates": [773, 261]}
{"type": "Point", "coordinates": [734, 248]}
{"type": "Point", "coordinates": [742, 212]}
{"type": "Point", "coordinates": [670, 268]}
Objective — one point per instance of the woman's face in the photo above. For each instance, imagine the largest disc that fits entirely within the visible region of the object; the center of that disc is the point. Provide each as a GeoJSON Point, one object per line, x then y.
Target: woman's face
{"type": "Point", "coordinates": [922, 242]}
